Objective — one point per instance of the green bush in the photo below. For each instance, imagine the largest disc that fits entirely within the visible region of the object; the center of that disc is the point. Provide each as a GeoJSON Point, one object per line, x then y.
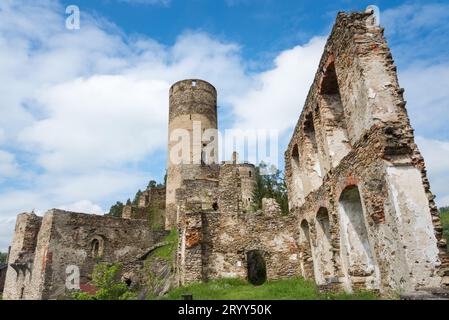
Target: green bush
{"type": "Point", "coordinates": [3, 257]}
{"type": "Point", "coordinates": [105, 279]}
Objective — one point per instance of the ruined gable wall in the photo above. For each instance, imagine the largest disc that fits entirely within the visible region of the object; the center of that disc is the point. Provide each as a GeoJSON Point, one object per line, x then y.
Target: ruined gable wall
{"type": "Point", "coordinates": [375, 152]}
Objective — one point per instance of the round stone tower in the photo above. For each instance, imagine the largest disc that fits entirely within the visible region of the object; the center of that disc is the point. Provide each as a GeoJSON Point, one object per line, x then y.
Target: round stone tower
{"type": "Point", "coordinates": [192, 134]}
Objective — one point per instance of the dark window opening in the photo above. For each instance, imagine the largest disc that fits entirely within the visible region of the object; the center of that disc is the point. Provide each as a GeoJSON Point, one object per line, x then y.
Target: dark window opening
{"type": "Point", "coordinates": [128, 282]}
{"type": "Point", "coordinates": [22, 291]}
{"type": "Point", "coordinates": [329, 85]}
{"type": "Point", "coordinates": [250, 174]}
{"type": "Point", "coordinates": [95, 247]}
{"type": "Point", "coordinates": [309, 130]}
{"type": "Point", "coordinates": [215, 206]}
{"type": "Point", "coordinates": [295, 153]}
{"type": "Point", "coordinates": [257, 269]}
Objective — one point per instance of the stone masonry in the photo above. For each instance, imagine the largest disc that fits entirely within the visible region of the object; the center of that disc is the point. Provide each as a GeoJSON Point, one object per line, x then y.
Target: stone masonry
{"type": "Point", "coordinates": [361, 213]}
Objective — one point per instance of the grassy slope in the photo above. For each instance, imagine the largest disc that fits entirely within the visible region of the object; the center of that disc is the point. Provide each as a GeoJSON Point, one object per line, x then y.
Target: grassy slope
{"type": "Point", "coordinates": [167, 252]}
{"type": "Point", "coordinates": [235, 289]}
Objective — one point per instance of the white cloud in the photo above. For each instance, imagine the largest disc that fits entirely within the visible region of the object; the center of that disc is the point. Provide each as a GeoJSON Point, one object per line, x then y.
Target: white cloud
{"type": "Point", "coordinates": [86, 107]}
{"type": "Point", "coordinates": [8, 165]}
{"type": "Point", "coordinates": [436, 155]}
{"type": "Point", "coordinates": [278, 96]}
{"type": "Point", "coordinates": [427, 95]}
{"type": "Point", "coordinates": [83, 107]}
{"type": "Point", "coordinates": [84, 206]}
{"type": "Point", "coordinates": [102, 121]}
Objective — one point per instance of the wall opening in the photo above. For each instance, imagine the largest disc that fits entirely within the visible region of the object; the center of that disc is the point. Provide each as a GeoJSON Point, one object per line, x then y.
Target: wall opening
{"type": "Point", "coordinates": [323, 248]}
{"type": "Point", "coordinates": [97, 247]}
{"type": "Point", "coordinates": [296, 196]}
{"type": "Point", "coordinates": [305, 248]}
{"type": "Point", "coordinates": [257, 269]}
{"type": "Point", "coordinates": [334, 127]}
{"type": "Point", "coordinates": [355, 248]}
{"type": "Point", "coordinates": [311, 166]}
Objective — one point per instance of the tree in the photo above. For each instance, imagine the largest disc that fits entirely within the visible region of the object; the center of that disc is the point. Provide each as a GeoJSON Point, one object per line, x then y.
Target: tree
{"type": "Point", "coordinates": [136, 197]}
{"type": "Point", "coordinates": [116, 210]}
{"type": "Point", "coordinates": [128, 202]}
{"type": "Point", "coordinates": [3, 257]}
{"type": "Point", "coordinates": [152, 184]}
{"type": "Point", "coordinates": [105, 278]}
{"type": "Point", "coordinates": [270, 184]}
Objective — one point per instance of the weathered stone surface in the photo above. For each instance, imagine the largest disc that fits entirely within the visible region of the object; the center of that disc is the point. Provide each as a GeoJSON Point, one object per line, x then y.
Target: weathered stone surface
{"type": "Point", "coordinates": [353, 155]}
{"type": "Point", "coordinates": [361, 213]}
{"type": "Point", "coordinates": [43, 248]}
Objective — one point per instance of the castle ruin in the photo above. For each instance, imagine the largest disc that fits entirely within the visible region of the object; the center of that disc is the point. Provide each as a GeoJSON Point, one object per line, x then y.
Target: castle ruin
{"type": "Point", "coordinates": [361, 213]}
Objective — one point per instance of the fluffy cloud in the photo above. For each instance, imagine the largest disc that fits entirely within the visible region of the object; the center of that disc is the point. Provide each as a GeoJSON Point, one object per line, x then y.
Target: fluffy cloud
{"type": "Point", "coordinates": [277, 97]}
{"type": "Point", "coordinates": [82, 110]}
{"type": "Point", "coordinates": [436, 154]}
{"type": "Point", "coordinates": [84, 206]}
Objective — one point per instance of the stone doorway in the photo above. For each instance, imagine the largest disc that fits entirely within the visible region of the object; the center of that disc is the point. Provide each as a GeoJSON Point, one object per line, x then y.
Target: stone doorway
{"type": "Point", "coordinates": [257, 268]}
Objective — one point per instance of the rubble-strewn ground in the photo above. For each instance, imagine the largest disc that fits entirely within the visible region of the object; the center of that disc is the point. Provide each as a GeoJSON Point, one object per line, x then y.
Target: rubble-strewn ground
{"type": "Point", "coordinates": [236, 289]}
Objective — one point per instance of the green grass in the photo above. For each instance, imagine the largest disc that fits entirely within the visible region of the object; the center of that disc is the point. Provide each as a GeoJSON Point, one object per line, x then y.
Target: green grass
{"type": "Point", "coordinates": [444, 215]}
{"type": "Point", "coordinates": [167, 252]}
{"type": "Point", "coordinates": [237, 289]}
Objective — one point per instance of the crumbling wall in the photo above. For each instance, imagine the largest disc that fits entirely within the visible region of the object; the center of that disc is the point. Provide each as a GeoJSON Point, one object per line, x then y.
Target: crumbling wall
{"type": "Point", "coordinates": [384, 232]}
{"type": "Point", "coordinates": [150, 207]}
{"type": "Point", "coordinates": [216, 234]}
{"type": "Point", "coordinates": [247, 173]}
{"type": "Point", "coordinates": [74, 239]}
{"type": "Point", "coordinates": [21, 256]}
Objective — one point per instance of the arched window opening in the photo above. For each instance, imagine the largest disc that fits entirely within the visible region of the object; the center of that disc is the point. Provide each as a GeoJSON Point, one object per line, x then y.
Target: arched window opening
{"type": "Point", "coordinates": [257, 268]}
{"type": "Point", "coordinates": [97, 247]}
{"type": "Point", "coordinates": [355, 247]}
{"type": "Point", "coordinates": [309, 131]}
{"type": "Point", "coordinates": [306, 251]}
{"type": "Point", "coordinates": [296, 192]}
{"type": "Point", "coordinates": [323, 248]}
{"type": "Point", "coordinates": [311, 165]}
{"type": "Point", "coordinates": [332, 116]}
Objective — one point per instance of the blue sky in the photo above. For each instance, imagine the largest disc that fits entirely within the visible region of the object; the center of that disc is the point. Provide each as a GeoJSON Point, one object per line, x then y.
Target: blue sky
{"type": "Point", "coordinates": [83, 119]}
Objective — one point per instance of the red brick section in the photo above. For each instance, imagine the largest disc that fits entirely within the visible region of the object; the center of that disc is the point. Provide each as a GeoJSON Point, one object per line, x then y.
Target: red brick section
{"type": "Point", "coordinates": [88, 288]}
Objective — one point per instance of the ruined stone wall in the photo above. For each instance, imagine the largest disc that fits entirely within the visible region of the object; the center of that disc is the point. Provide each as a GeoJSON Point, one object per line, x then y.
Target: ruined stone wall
{"type": "Point", "coordinates": [21, 256]}
{"type": "Point", "coordinates": [355, 178]}
{"type": "Point", "coordinates": [192, 111]}
{"type": "Point", "coordinates": [247, 174]}
{"type": "Point", "coordinates": [216, 234]}
{"type": "Point", "coordinates": [197, 201]}
{"type": "Point", "coordinates": [150, 207]}
{"type": "Point", "coordinates": [82, 240]}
